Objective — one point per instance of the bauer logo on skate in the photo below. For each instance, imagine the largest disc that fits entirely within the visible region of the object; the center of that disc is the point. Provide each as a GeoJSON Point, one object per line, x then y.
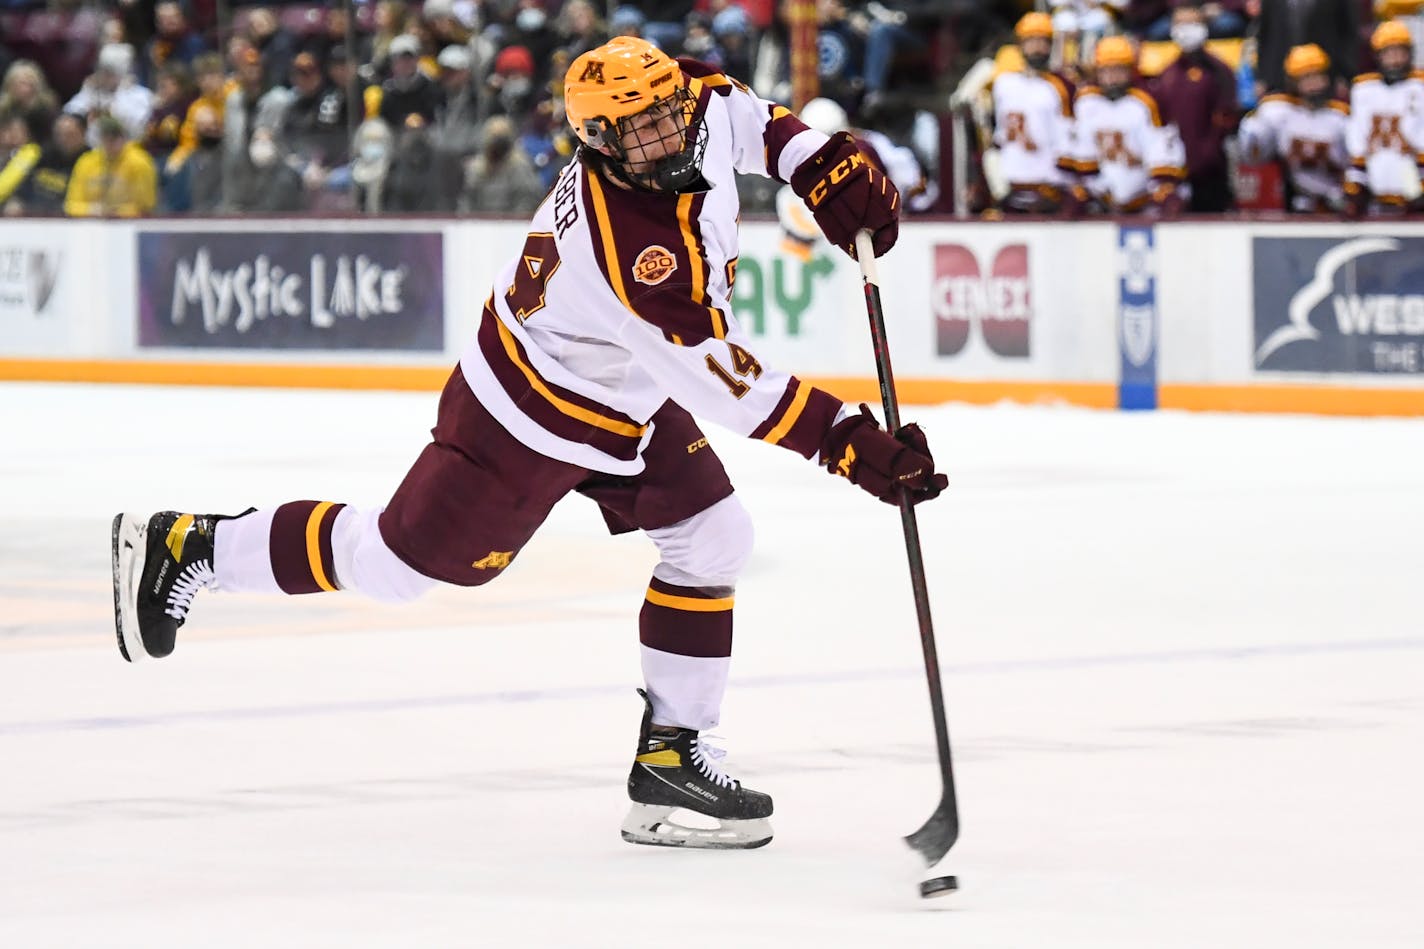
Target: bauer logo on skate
{"type": "Point", "coordinates": [998, 302]}
{"type": "Point", "coordinates": [654, 265]}
{"type": "Point", "coordinates": [317, 290]}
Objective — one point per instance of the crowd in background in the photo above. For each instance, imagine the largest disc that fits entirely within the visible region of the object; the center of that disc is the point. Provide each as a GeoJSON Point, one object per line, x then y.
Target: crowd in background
{"type": "Point", "coordinates": [141, 107]}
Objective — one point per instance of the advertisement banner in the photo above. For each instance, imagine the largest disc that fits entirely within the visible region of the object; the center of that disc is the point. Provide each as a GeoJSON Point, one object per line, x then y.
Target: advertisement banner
{"type": "Point", "coordinates": [291, 290]}
{"type": "Point", "coordinates": [990, 293]}
{"type": "Point", "coordinates": [38, 263]}
{"type": "Point", "coordinates": [1137, 317]}
{"type": "Point", "coordinates": [1339, 305]}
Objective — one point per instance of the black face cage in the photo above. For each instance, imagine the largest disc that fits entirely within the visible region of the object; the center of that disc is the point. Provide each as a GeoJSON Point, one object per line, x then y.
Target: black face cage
{"type": "Point", "coordinates": [685, 141]}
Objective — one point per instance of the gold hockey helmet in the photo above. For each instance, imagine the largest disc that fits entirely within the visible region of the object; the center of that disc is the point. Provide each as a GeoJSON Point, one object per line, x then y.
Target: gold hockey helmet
{"type": "Point", "coordinates": [1114, 51]}
{"type": "Point", "coordinates": [1390, 33]}
{"type": "Point", "coordinates": [1307, 59]}
{"type": "Point", "coordinates": [1034, 24]}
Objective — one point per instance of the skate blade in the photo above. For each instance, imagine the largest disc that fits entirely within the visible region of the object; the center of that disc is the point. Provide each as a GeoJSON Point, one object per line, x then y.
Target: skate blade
{"type": "Point", "coordinates": [655, 825]}
{"type": "Point", "coordinates": [130, 550]}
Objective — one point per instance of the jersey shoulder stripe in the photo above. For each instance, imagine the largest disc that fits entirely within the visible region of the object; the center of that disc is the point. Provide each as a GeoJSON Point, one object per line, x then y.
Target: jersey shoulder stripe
{"type": "Point", "coordinates": [1367, 77]}
{"type": "Point", "coordinates": [1342, 107]}
{"type": "Point", "coordinates": [1064, 97]}
{"type": "Point", "coordinates": [650, 249]}
{"type": "Point", "coordinates": [1279, 97]}
{"type": "Point", "coordinates": [1145, 97]}
{"type": "Point", "coordinates": [552, 407]}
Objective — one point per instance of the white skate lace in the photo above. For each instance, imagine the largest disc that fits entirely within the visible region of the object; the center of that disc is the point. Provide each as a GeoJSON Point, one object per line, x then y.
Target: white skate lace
{"type": "Point", "coordinates": [706, 758]}
{"type": "Point", "coordinates": [194, 577]}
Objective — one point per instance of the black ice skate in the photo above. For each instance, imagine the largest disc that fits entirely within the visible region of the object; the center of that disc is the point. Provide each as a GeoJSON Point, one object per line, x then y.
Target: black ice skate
{"type": "Point", "coordinates": [674, 771]}
{"type": "Point", "coordinates": [158, 567]}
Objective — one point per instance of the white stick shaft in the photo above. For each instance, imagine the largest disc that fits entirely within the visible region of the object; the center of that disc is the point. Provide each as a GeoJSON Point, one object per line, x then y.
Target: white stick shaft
{"type": "Point", "coordinates": [865, 250]}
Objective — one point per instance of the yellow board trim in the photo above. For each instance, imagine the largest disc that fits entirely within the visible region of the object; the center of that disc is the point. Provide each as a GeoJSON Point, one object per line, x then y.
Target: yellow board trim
{"type": "Point", "coordinates": [793, 412]}
{"type": "Point", "coordinates": [690, 604]}
{"type": "Point", "coordinates": [1272, 397]}
{"type": "Point", "coordinates": [568, 408]}
{"type": "Point", "coordinates": [314, 545]}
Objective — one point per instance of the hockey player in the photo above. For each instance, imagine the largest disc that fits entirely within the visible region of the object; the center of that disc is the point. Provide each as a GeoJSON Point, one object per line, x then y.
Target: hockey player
{"type": "Point", "coordinates": [603, 333]}
{"type": "Point", "coordinates": [1033, 118]}
{"type": "Point", "coordinates": [1304, 131]}
{"type": "Point", "coordinates": [1384, 132]}
{"type": "Point", "coordinates": [1129, 161]}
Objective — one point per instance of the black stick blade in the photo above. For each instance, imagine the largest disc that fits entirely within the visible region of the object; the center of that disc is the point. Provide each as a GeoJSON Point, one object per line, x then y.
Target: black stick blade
{"type": "Point", "coordinates": [933, 840]}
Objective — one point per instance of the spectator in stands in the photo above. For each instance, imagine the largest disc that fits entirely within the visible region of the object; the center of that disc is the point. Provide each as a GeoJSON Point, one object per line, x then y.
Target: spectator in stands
{"type": "Point", "coordinates": [1383, 134]}
{"type": "Point", "coordinates": [1305, 131]}
{"type": "Point", "coordinates": [42, 193]}
{"type": "Point", "coordinates": [1197, 93]}
{"type": "Point", "coordinates": [174, 41]}
{"type": "Point", "coordinates": [501, 178]}
{"type": "Point", "coordinates": [270, 181]}
{"type": "Point", "coordinates": [736, 37]}
{"type": "Point", "coordinates": [579, 28]}
{"type": "Point", "coordinates": [840, 40]}
{"type": "Point", "coordinates": [391, 19]}
{"type": "Point", "coordinates": [25, 93]}
{"type": "Point", "coordinates": [511, 86]}
{"type": "Point", "coordinates": [698, 42]}
{"type": "Point", "coordinates": [627, 21]}
{"type": "Point", "coordinates": [663, 22]}
{"type": "Point", "coordinates": [251, 105]}
{"type": "Point", "coordinates": [117, 179]}
{"type": "Point", "coordinates": [112, 91]}
{"type": "Point", "coordinates": [173, 96]}
{"type": "Point", "coordinates": [892, 33]}
{"type": "Point", "coordinates": [213, 89]}
{"type": "Point", "coordinates": [534, 32]}
{"type": "Point", "coordinates": [455, 133]}
{"type": "Point", "coordinates": [277, 46]}
{"type": "Point", "coordinates": [1153, 19]}
{"type": "Point", "coordinates": [315, 126]}
{"type": "Point", "coordinates": [201, 174]}
{"type": "Point", "coordinates": [343, 74]}
{"type": "Point", "coordinates": [1033, 115]}
{"type": "Point", "coordinates": [408, 91]}
{"type": "Point", "coordinates": [1333, 25]}
{"type": "Point", "coordinates": [19, 156]}
{"type": "Point", "coordinates": [333, 35]}
{"type": "Point", "coordinates": [372, 152]}
{"type": "Point", "coordinates": [445, 28]}
{"type": "Point", "coordinates": [407, 185]}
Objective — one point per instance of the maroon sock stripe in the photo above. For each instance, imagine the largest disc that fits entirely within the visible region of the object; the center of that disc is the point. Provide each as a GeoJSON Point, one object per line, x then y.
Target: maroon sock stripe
{"type": "Point", "coordinates": [687, 621]}
{"type": "Point", "coordinates": [300, 546]}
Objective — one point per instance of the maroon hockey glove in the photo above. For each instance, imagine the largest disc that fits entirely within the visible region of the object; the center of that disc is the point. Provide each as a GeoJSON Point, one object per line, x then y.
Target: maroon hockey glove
{"type": "Point", "coordinates": [859, 449]}
{"type": "Point", "coordinates": [845, 193]}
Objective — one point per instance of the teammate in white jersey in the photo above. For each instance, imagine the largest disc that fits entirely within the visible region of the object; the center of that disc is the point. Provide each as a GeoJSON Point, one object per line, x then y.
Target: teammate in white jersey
{"type": "Point", "coordinates": [603, 333]}
{"type": "Point", "coordinates": [1385, 136]}
{"type": "Point", "coordinates": [1305, 131]}
{"type": "Point", "coordinates": [1033, 121]}
{"type": "Point", "coordinates": [1128, 160]}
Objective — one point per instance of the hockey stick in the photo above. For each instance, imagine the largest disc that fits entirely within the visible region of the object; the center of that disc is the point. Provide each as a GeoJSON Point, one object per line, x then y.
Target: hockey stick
{"type": "Point", "coordinates": [939, 833]}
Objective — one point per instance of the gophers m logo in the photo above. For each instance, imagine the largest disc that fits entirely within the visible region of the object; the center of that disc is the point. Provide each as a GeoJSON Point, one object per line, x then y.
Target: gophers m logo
{"type": "Point", "coordinates": [654, 265]}
{"type": "Point", "coordinates": [593, 72]}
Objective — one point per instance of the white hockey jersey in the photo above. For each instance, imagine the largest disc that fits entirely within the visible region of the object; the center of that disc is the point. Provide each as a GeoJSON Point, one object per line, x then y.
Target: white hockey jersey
{"type": "Point", "coordinates": [620, 300]}
{"type": "Point", "coordinates": [1385, 136]}
{"type": "Point", "coordinates": [1309, 141]}
{"type": "Point", "coordinates": [1122, 149]}
{"type": "Point", "coordinates": [1033, 122]}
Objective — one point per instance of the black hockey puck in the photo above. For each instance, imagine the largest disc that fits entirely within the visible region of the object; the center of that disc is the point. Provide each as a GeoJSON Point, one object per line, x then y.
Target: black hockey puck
{"type": "Point", "coordinates": [938, 886]}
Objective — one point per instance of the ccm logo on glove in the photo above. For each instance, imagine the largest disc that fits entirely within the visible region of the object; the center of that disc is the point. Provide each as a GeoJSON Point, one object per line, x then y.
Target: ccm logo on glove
{"type": "Point", "coordinates": [846, 193]}
{"type": "Point", "coordinates": [862, 452]}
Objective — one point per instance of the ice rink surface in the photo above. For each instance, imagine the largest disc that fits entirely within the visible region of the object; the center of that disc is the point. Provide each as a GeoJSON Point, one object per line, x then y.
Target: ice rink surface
{"type": "Point", "coordinates": [1183, 671]}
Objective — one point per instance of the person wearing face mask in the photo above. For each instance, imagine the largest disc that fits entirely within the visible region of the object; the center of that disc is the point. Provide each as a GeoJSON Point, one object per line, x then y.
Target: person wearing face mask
{"type": "Point", "coordinates": [1385, 136]}
{"type": "Point", "coordinates": [202, 173]}
{"type": "Point", "coordinates": [1033, 121]}
{"type": "Point", "coordinates": [1305, 132]}
{"type": "Point", "coordinates": [534, 32]}
{"type": "Point", "coordinates": [271, 182]}
{"type": "Point", "coordinates": [511, 89]}
{"type": "Point", "coordinates": [501, 178]}
{"type": "Point", "coordinates": [1129, 160]}
{"type": "Point", "coordinates": [1197, 94]}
